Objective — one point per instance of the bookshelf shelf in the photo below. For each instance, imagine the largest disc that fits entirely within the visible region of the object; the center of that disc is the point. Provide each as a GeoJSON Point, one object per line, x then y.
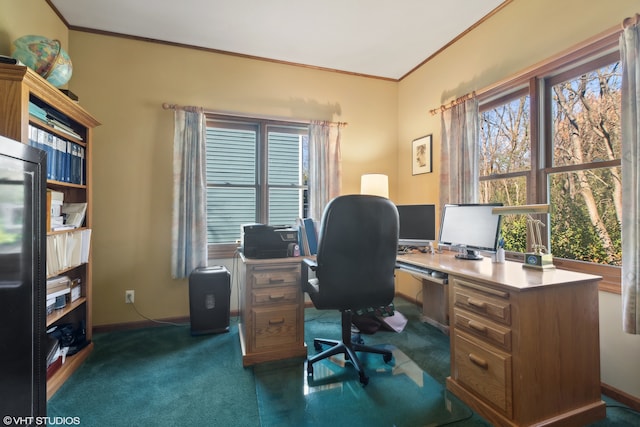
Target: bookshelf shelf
{"type": "Point", "coordinates": [71, 364]}
{"type": "Point", "coordinates": [61, 313]}
{"type": "Point", "coordinates": [25, 95]}
{"type": "Point", "coordinates": [59, 184]}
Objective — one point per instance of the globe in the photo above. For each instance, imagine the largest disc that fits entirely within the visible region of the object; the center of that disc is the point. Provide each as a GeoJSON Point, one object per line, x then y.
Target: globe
{"type": "Point", "coordinates": [45, 56]}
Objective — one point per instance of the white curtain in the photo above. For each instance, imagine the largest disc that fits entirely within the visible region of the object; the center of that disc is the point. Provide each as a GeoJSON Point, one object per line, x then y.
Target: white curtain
{"type": "Point", "coordinates": [189, 225]}
{"type": "Point", "coordinates": [630, 121]}
{"type": "Point", "coordinates": [325, 172]}
{"type": "Point", "coordinates": [459, 154]}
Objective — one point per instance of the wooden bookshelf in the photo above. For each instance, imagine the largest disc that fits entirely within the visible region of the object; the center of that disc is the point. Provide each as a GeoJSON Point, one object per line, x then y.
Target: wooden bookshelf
{"type": "Point", "coordinates": [19, 86]}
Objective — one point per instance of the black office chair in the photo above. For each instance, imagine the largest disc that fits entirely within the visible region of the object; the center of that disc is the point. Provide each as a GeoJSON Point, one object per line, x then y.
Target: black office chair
{"type": "Point", "coordinates": [354, 268]}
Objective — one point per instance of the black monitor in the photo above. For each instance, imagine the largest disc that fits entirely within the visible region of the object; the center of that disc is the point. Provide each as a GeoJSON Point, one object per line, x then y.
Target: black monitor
{"type": "Point", "coordinates": [417, 225]}
{"type": "Point", "coordinates": [471, 228]}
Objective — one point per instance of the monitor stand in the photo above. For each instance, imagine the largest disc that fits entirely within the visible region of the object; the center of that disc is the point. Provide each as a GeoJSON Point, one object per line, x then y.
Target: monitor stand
{"type": "Point", "coordinates": [469, 254]}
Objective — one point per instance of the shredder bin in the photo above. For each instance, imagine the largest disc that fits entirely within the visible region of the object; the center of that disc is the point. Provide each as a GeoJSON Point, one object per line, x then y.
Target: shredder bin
{"type": "Point", "coordinates": [209, 299]}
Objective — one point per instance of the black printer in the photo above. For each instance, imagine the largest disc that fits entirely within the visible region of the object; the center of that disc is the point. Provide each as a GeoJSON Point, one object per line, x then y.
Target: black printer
{"type": "Point", "coordinates": [267, 241]}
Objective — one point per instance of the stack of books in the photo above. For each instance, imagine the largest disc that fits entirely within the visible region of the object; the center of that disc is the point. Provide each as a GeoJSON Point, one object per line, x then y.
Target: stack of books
{"type": "Point", "coordinates": [57, 290]}
{"type": "Point", "coordinates": [65, 159]}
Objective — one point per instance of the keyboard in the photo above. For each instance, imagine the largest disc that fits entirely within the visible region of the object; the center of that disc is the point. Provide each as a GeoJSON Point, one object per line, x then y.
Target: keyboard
{"type": "Point", "coordinates": [422, 271]}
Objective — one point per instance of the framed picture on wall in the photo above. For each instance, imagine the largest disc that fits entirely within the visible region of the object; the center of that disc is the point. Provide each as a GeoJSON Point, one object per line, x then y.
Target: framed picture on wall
{"type": "Point", "coordinates": [421, 155]}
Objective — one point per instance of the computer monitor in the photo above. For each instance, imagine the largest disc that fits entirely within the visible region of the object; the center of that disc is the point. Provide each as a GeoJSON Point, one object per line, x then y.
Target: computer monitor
{"type": "Point", "coordinates": [471, 228]}
{"type": "Point", "coordinates": [417, 225]}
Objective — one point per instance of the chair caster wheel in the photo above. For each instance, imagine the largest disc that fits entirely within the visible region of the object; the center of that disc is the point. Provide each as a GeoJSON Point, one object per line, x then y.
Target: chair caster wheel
{"type": "Point", "coordinates": [364, 380]}
{"type": "Point", "coordinates": [387, 358]}
{"type": "Point", "coordinates": [317, 346]}
{"type": "Point", "coordinates": [309, 370]}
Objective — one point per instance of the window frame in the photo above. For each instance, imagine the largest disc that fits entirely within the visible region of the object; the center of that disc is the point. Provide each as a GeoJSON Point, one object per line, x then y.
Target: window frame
{"type": "Point", "coordinates": [262, 127]}
{"type": "Point", "coordinates": [536, 81]}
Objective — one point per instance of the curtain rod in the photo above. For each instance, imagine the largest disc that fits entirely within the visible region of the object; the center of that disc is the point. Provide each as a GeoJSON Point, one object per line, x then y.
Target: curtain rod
{"type": "Point", "coordinates": [605, 34]}
{"type": "Point", "coordinates": [167, 106]}
{"type": "Point", "coordinates": [445, 107]}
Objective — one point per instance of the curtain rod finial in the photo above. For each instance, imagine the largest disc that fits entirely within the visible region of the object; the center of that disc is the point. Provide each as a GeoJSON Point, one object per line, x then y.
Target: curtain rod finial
{"type": "Point", "coordinates": [631, 20]}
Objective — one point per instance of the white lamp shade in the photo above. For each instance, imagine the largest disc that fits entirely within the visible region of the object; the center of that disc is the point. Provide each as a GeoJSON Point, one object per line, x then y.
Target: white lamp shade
{"type": "Point", "coordinates": [375, 184]}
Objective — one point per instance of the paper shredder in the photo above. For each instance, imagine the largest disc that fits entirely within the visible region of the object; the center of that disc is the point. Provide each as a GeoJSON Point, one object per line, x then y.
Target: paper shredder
{"type": "Point", "coordinates": [209, 299]}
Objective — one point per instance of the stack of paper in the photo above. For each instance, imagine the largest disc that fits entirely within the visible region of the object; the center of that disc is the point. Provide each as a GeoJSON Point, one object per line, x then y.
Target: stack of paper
{"type": "Point", "coordinates": [74, 214]}
{"type": "Point", "coordinates": [67, 250]}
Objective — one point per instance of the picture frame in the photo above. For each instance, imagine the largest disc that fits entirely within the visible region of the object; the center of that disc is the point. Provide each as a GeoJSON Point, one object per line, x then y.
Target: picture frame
{"type": "Point", "coordinates": [421, 152]}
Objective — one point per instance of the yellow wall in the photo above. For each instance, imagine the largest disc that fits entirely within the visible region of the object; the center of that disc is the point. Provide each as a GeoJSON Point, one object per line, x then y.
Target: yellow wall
{"type": "Point", "coordinates": [124, 82]}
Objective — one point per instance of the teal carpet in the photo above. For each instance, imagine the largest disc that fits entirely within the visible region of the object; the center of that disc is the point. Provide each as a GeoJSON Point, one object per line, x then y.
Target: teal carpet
{"type": "Point", "coordinates": [160, 377]}
{"type": "Point", "coordinates": [398, 394]}
{"type": "Point", "coordinates": [165, 377]}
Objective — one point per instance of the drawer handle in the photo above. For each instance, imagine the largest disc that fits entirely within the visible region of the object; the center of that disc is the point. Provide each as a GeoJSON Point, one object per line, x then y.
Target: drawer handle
{"type": "Point", "coordinates": [276, 297]}
{"type": "Point", "coordinates": [477, 303]}
{"type": "Point", "coordinates": [276, 321]}
{"type": "Point", "coordinates": [272, 280]}
{"type": "Point", "coordinates": [477, 326]}
{"type": "Point", "coordinates": [478, 361]}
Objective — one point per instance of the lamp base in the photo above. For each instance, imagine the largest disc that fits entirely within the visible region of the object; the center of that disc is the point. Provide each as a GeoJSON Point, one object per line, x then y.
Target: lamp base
{"type": "Point", "coordinates": [538, 261]}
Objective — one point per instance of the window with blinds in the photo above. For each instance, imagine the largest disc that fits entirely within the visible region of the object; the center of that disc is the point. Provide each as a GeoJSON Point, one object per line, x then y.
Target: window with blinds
{"type": "Point", "coordinates": [256, 173]}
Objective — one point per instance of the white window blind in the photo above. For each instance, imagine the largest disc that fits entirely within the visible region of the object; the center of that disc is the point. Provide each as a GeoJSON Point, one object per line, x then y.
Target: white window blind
{"type": "Point", "coordinates": [256, 173]}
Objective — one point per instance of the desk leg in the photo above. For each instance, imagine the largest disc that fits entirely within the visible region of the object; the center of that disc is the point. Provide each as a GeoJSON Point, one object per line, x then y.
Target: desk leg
{"type": "Point", "coordinates": [435, 305]}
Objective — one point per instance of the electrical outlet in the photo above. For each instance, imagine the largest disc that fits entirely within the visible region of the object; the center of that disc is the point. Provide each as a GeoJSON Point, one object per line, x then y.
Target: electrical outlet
{"type": "Point", "coordinates": [129, 296]}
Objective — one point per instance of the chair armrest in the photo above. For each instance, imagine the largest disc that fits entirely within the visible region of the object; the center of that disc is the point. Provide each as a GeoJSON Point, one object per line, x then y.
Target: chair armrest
{"type": "Point", "coordinates": [307, 264]}
{"type": "Point", "coordinates": [311, 263]}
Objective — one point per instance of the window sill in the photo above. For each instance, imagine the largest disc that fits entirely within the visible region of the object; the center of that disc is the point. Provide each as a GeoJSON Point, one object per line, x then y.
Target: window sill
{"type": "Point", "coordinates": [222, 251]}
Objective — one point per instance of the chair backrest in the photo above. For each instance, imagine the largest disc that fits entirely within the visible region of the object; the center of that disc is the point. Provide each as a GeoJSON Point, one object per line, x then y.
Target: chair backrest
{"type": "Point", "coordinates": [357, 248]}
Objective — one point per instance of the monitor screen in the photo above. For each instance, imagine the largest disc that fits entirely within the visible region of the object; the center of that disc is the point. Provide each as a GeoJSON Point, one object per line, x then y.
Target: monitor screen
{"type": "Point", "coordinates": [471, 228]}
{"type": "Point", "coordinates": [417, 225]}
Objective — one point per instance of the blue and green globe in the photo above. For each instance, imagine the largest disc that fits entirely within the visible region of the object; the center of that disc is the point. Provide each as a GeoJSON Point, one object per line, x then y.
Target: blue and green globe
{"type": "Point", "coordinates": [45, 56]}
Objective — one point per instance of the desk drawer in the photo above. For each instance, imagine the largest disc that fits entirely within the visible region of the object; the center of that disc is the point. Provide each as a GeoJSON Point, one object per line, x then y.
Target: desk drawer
{"type": "Point", "coordinates": [484, 372]}
{"type": "Point", "coordinates": [276, 275]}
{"type": "Point", "coordinates": [481, 327]}
{"type": "Point", "coordinates": [276, 295]}
{"type": "Point", "coordinates": [486, 302]}
{"type": "Point", "coordinates": [275, 327]}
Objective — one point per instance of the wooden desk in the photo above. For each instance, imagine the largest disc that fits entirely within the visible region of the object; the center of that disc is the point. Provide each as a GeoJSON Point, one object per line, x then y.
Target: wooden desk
{"type": "Point", "coordinates": [524, 343]}
{"type": "Point", "coordinates": [271, 310]}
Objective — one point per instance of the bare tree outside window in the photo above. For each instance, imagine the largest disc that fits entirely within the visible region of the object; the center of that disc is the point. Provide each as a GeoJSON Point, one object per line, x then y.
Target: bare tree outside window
{"type": "Point", "coordinates": [585, 180]}
{"type": "Point", "coordinates": [575, 161]}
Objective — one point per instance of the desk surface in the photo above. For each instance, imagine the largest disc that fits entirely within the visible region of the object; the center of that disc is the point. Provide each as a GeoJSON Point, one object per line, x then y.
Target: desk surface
{"type": "Point", "coordinates": [508, 274]}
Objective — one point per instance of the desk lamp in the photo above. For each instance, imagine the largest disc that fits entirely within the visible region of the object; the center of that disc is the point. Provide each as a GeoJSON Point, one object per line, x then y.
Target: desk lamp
{"type": "Point", "coordinates": [375, 184]}
{"type": "Point", "coordinates": [540, 258]}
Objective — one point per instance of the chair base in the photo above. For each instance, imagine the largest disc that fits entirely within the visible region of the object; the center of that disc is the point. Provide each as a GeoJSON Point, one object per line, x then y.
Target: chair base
{"type": "Point", "coordinates": [346, 347]}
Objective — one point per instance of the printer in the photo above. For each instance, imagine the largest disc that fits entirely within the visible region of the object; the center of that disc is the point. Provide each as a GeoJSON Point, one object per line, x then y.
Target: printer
{"type": "Point", "coordinates": [267, 241]}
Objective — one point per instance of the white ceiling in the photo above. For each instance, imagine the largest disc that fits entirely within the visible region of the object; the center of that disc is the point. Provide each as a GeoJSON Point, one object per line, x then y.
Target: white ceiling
{"type": "Point", "coordinates": [381, 38]}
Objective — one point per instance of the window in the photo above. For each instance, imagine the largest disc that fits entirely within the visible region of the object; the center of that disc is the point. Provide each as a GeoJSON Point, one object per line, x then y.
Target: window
{"type": "Point", "coordinates": [506, 162]}
{"type": "Point", "coordinates": [257, 172]}
{"type": "Point", "coordinates": [584, 177]}
{"type": "Point", "coordinates": [553, 136]}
